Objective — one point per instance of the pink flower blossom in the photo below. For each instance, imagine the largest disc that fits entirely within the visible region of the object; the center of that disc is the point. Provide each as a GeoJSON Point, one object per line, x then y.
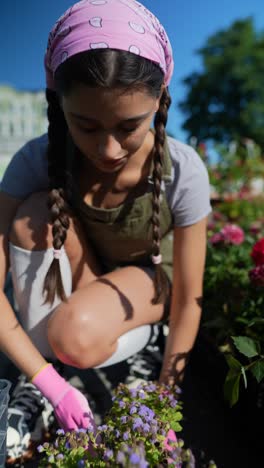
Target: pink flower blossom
{"type": "Point", "coordinates": [256, 275]}
{"type": "Point", "coordinates": [257, 253]}
{"type": "Point", "coordinates": [217, 238]}
{"type": "Point", "coordinates": [232, 234]}
{"type": "Point", "coordinates": [210, 226]}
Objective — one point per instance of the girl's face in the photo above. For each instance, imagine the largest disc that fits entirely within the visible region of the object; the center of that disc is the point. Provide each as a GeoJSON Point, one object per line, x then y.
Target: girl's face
{"type": "Point", "coordinates": [108, 126]}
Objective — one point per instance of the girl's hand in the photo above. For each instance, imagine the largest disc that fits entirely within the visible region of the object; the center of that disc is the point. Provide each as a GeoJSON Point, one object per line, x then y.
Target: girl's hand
{"type": "Point", "coordinates": [70, 405]}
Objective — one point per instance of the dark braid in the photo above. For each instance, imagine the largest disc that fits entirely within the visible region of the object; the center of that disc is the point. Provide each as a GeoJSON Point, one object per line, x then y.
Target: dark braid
{"type": "Point", "coordinates": [160, 280]}
{"type": "Point", "coordinates": [57, 199]}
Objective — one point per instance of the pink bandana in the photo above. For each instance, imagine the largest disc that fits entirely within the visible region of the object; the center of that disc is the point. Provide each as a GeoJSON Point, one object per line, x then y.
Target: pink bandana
{"type": "Point", "coordinates": [117, 24]}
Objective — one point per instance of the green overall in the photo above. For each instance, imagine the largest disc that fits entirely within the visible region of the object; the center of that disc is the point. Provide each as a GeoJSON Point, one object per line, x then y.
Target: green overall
{"type": "Point", "coordinates": [123, 236]}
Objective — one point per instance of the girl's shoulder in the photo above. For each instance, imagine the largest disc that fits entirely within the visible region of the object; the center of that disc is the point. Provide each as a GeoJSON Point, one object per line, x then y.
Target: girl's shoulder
{"type": "Point", "coordinates": [188, 190]}
{"type": "Point", "coordinates": [27, 171]}
{"type": "Point", "coordinates": [182, 155]}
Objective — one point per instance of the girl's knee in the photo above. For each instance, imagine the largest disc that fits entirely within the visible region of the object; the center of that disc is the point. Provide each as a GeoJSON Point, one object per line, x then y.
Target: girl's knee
{"type": "Point", "coordinates": [76, 339]}
{"type": "Point", "coordinates": [31, 228]}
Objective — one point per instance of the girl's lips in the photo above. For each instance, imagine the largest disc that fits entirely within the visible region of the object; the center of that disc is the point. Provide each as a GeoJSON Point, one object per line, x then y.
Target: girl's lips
{"type": "Point", "coordinates": [114, 163]}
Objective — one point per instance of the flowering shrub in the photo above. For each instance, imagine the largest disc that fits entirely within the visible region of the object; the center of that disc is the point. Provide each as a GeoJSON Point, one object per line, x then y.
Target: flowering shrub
{"type": "Point", "coordinates": [240, 164]}
{"type": "Point", "coordinates": [134, 434]}
{"type": "Point", "coordinates": [234, 299]}
{"type": "Point", "coordinates": [229, 234]}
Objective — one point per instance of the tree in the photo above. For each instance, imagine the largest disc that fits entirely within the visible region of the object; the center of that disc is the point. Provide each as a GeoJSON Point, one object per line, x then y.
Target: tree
{"type": "Point", "coordinates": [226, 100]}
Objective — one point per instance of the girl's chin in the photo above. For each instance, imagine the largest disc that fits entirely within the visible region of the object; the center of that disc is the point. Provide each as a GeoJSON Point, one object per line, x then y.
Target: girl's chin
{"type": "Point", "coordinates": [111, 166]}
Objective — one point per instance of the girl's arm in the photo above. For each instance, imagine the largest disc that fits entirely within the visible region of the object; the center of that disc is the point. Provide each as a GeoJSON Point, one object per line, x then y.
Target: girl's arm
{"type": "Point", "coordinates": [186, 305]}
{"type": "Point", "coordinates": [14, 342]}
{"type": "Point", "coordinates": [70, 406]}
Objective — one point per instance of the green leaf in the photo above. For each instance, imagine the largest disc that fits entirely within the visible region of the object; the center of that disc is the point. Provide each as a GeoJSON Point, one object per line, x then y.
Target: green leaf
{"type": "Point", "coordinates": [258, 370]}
{"type": "Point", "coordinates": [176, 426]}
{"type": "Point", "coordinates": [246, 345]}
{"type": "Point", "coordinates": [255, 321]}
{"type": "Point", "coordinates": [231, 387]}
{"type": "Point", "coordinates": [233, 364]}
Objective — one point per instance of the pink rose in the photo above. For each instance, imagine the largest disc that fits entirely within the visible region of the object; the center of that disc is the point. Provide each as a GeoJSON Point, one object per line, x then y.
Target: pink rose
{"type": "Point", "coordinates": [257, 253]}
{"type": "Point", "coordinates": [256, 275]}
{"type": "Point", "coordinates": [232, 234]}
{"type": "Point", "coordinates": [217, 238]}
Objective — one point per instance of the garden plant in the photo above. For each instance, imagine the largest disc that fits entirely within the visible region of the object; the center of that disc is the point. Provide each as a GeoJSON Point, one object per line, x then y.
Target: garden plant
{"type": "Point", "coordinates": [139, 431]}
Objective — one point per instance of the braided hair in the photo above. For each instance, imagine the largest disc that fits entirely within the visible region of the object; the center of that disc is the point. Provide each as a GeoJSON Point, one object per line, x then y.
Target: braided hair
{"type": "Point", "coordinates": [160, 279]}
{"type": "Point", "coordinates": [57, 198]}
{"type": "Point", "coordinates": [109, 69]}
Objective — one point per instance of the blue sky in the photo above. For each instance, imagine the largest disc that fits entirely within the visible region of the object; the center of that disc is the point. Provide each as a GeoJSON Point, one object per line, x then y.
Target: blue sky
{"type": "Point", "coordinates": [24, 27]}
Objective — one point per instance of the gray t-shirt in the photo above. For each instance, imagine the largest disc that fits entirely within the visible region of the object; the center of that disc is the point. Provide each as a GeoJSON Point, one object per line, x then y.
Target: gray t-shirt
{"type": "Point", "coordinates": [188, 191]}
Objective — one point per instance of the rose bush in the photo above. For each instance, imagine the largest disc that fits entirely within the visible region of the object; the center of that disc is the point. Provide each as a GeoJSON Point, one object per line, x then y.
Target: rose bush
{"type": "Point", "coordinates": [234, 299]}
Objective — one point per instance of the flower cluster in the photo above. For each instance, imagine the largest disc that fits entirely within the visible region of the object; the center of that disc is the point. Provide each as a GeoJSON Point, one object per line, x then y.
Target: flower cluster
{"type": "Point", "coordinates": [229, 234]}
{"type": "Point", "coordinates": [136, 433]}
{"type": "Point", "coordinates": [256, 274]}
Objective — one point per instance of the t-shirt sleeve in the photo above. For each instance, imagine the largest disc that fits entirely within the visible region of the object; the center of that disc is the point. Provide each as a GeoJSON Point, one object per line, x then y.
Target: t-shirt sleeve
{"type": "Point", "coordinates": [188, 193]}
{"type": "Point", "coordinates": [27, 172]}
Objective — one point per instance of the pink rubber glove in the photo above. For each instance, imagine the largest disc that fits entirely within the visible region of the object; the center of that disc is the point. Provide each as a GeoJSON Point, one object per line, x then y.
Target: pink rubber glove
{"type": "Point", "coordinates": [70, 405]}
{"type": "Point", "coordinates": [170, 436]}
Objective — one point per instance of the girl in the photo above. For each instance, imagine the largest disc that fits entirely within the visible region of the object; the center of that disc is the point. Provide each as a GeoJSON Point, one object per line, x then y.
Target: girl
{"type": "Point", "coordinates": [103, 219]}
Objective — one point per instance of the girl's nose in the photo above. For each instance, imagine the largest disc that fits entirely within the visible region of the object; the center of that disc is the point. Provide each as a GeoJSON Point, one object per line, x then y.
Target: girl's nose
{"type": "Point", "coordinates": [109, 148]}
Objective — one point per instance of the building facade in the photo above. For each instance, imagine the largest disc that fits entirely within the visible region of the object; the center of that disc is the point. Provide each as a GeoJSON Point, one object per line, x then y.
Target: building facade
{"type": "Point", "coordinates": [22, 117]}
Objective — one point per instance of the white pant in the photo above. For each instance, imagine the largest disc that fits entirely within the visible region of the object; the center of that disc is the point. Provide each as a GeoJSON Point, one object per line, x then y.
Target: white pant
{"type": "Point", "coordinates": [28, 269]}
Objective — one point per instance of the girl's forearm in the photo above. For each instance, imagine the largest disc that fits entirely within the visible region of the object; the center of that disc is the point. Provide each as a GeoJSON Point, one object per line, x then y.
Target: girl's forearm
{"type": "Point", "coordinates": [183, 328]}
{"type": "Point", "coordinates": [15, 343]}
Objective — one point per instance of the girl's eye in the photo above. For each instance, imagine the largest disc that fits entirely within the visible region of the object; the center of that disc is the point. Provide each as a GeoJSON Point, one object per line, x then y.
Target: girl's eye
{"type": "Point", "coordinates": [91, 130]}
{"type": "Point", "coordinates": [87, 130]}
{"type": "Point", "coordinates": [129, 130]}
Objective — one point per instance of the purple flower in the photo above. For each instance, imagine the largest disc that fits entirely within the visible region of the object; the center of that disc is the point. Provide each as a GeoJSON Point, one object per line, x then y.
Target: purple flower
{"type": "Point", "coordinates": [126, 435]}
{"type": "Point", "coordinates": [133, 409]}
{"type": "Point", "coordinates": [133, 392]}
{"type": "Point", "coordinates": [80, 463]}
{"type": "Point", "coordinates": [121, 404]}
{"type": "Point", "coordinates": [146, 427]}
{"type": "Point", "coordinates": [173, 403]}
{"type": "Point", "coordinates": [60, 432]}
{"type": "Point", "coordinates": [67, 445]}
{"type": "Point", "coordinates": [103, 427]}
{"type": "Point", "coordinates": [117, 433]}
{"type": "Point", "coordinates": [134, 458]}
{"type": "Point", "coordinates": [120, 458]}
{"type": "Point", "coordinates": [60, 456]}
{"type": "Point", "coordinates": [40, 448]}
{"type": "Point", "coordinates": [123, 419]}
{"type": "Point", "coordinates": [137, 423]}
{"type": "Point", "coordinates": [108, 454]}
{"type": "Point", "coordinates": [151, 388]}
